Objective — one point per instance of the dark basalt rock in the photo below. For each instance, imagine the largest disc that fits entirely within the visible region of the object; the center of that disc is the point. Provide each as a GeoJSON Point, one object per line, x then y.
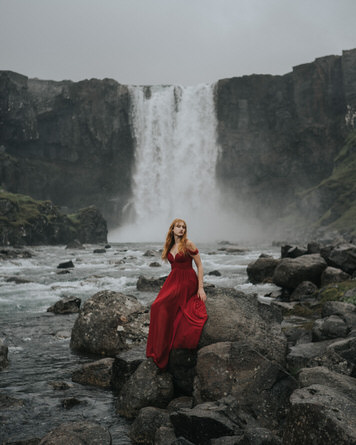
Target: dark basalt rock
{"type": "Point", "coordinates": [144, 427]}
{"type": "Point", "coordinates": [304, 290]}
{"type": "Point", "coordinates": [68, 305]}
{"type": "Point", "coordinates": [65, 265]}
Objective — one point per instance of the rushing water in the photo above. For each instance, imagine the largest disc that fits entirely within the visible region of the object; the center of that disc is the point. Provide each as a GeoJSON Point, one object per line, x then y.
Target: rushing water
{"type": "Point", "coordinates": [38, 341]}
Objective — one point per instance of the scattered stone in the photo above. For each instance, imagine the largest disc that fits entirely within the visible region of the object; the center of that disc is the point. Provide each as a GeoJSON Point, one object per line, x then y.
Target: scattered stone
{"type": "Point", "coordinates": [164, 436]}
{"type": "Point", "coordinates": [75, 433]}
{"type": "Point", "coordinates": [74, 244]}
{"type": "Point", "coordinates": [63, 334]}
{"type": "Point", "coordinates": [292, 271]}
{"type": "Point", "coordinates": [149, 253]}
{"type": "Point", "coordinates": [232, 249]}
{"type": "Point", "coordinates": [292, 251]}
{"type": "Point", "coordinates": [17, 280]}
{"type": "Point", "coordinates": [144, 427]}
{"type": "Point", "coordinates": [150, 284]}
{"type": "Point", "coordinates": [304, 291]}
{"type": "Point", "coordinates": [347, 311]}
{"type": "Point", "coordinates": [99, 251]}
{"type": "Point", "coordinates": [10, 253]}
{"type": "Point", "coordinates": [333, 275]}
{"type": "Point", "coordinates": [180, 402]}
{"type": "Point", "coordinates": [215, 273]}
{"type": "Point", "coordinates": [107, 246]}
{"type": "Point", "coordinates": [108, 323]}
{"type": "Point", "coordinates": [4, 350]}
{"type": "Point", "coordinates": [8, 402]}
{"type": "Point", "coordinates": [343, 257]}
{"type": "Point", "coordinates": [148, 386]}
{"type": "Point", "coordinates": [320, 415]}
{"type": "Point", "coordinates": [63, 272]}
{"type": "Point", "coordinates": [155, 264]}
{"type": "Point", "coordinates": [70, 402]}
{"type": "Point", "coordinates": [329, 327]}
{"type": "Point", "coordinates": [98, 373]}
{"type": "Point", "coordinates": [60, 386]}
{"type": "Point", "coordinates": [66, 265]}
{"type": "Point", "coordinates": [67, 305]}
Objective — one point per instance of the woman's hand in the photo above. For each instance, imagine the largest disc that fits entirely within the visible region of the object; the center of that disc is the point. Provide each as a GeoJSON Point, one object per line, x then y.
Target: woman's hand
{"type": "Point", "coordinates": [202, 294]}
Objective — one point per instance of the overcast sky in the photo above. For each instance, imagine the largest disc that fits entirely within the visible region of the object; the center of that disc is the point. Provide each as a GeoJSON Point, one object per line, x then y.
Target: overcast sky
{"type": "Point", "coordinates": [170, 41]}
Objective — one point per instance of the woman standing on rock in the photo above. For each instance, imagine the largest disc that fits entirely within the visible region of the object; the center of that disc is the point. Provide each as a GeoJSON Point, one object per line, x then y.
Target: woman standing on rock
{"type": "Point", "coordinates": [178, 314]}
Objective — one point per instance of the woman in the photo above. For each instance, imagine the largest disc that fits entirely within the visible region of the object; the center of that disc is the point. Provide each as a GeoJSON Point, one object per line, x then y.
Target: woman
{"type": "Point", "coordinates": [178, 314]}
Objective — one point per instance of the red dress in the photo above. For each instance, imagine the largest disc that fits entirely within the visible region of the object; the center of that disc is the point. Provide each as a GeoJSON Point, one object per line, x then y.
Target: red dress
{"type": "Point", "coordinates": [177, 314]}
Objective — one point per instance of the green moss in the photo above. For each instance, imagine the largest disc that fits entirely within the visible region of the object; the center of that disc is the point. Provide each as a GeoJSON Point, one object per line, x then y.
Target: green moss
{"type": "Point", "coordinates": [337, 291]}
{"type": "Point", "coordinates": [304, 310]}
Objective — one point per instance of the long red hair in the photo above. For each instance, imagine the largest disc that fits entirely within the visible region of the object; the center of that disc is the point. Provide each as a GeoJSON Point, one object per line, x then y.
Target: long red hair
{"type": "Point", "coordinates": [182, 246]}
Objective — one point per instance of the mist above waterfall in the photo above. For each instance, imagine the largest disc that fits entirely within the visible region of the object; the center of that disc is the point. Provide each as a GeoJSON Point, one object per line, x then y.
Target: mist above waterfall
{"type": "Point", "coordinates": [175, 161]}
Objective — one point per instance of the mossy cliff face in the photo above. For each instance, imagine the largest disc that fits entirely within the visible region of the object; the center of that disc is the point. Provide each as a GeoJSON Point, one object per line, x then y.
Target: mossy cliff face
{"type": "Point", "coordinates": [280, 134]}
{"type": "Point", "coordinates": [66, 141]}
{"type": "Point", "coordinates": [26, 221]}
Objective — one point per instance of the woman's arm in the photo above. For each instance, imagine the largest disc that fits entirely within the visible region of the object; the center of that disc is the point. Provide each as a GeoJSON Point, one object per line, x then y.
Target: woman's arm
{"type": "Point", "coordinates": [197, 260]}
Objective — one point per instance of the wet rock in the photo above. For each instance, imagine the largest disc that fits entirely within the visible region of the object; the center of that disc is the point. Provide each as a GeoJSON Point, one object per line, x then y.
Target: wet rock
{"type": "Point", "coordinates": [180, 402]}
{"type": "Point", "coordinates": [302, 354]}
{"type": "Point", "coordinates": [292, 271]}
{"type": "Point", "coordinates": [70, 403]}
{"type": "Point", "coordinates": [215, 273]}
{"type": "Point", "coordinates": [230, 368]}
{"type": "Point", "coordinates": [147, 386]}
{"type": "Point", "coordinates": [99, 251]}
{"type": "Point", "coordinates": [346, 350]}
{"type": "Point", "coordinates": [208, 420]}
{"type": "Point", "coordinates": [17, 280]}
{"type": "Point", "coordinates": [346, 311]}
{"type": "Point", "coordinates": [235, 316]}
{"type": "Point", "coordinates": [8, 402]}
{"type": "Point", "coordinates": [313, 247]}
{"type": "Point", "coordinates": [297, 329]}
{"type": "Point", "coordinates": [65, 265]}
{"type": "Point", "coordinates": [329, 327]}
{"type": "Point", "coordinates": [108, 323]}
{"type": "Point", "coordinates": [63, 272]}
{"type": "Point", "coordinates": [98, 373]}
{"type": "Point", "coordinates": [164, 436]}
{"type": "Point", "coordinates": [155, 264]}
{"type": "Point", "coordinates": [67, 305]}
{"type": "Point", "coordinates": [107, 246]}
{"type": "Point", "coordinates": [75, 433]}
{"type": "Point", "coordinates": [292, 251]}
{"type": "Point", "coordinates": [125, 364]}
{"type": "Point", "coordinates": [74, 244]}
{"type": "Point", "coordinates": [342, 257]}
{"type": "Point", "coordinates": [150, 253]}
{"type": "Point", "coordinates": [144, 427]}
{"type": "Point", "coordinates": [262, 269]}
{"type": "Point", "coordinates": [150, 284]}
{"type": "Point", "coordinates": [4, 350]}
{"type": "Point", "coordinates": [60, 386]}
{"type": "Point", "coordinates": [182, 367]}
{"type": "Point", "coordinates": [320, 415]}
{"type": "Point", "coordinates": [333, 275]}
{"type": "Point", "coordinates": [304, 291]}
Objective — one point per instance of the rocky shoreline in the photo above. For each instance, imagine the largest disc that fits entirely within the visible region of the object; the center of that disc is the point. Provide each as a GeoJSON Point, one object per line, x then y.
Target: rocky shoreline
{"type": "Point", "coordinates": [278, 373]}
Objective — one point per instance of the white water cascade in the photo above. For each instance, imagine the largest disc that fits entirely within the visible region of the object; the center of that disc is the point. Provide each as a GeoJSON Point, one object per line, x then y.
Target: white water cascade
{"type": "Point", "coordinates": [175, 160]}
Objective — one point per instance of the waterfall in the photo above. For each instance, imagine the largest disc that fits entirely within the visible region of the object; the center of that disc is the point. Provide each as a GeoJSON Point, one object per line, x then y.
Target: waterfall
{"type": "Point", "coordinates": [175, 159]}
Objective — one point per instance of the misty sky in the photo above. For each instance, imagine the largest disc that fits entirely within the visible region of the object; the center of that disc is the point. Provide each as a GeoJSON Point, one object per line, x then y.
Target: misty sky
{"type": "Point", "coordinates": [170, 41]}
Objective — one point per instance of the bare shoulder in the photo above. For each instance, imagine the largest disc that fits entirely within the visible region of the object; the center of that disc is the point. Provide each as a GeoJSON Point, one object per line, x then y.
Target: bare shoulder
{"type": "Point", "coordinates": [191, 245]}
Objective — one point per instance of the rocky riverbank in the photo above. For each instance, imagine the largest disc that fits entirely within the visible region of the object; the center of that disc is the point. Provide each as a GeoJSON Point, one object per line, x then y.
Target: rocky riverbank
{"type": "Point", "coordinates": [26, 221]}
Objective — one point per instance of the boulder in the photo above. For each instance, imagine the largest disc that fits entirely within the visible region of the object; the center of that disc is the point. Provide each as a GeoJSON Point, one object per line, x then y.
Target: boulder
{"type": "Point", "coordinates": [346, 350]}
{"type": "Point", "coordinates": [182, 367]}
{"type": "Point", "coordinates": [304, 290]}
{"type": "Point", "coordinates": [297, 329]}
{"type": "Point", "coordinates": [292, 271]}
{"type": "Point", "coordinates": [98, 373]}
{"type": "Point", "coordinates": [65, 265]}
{"type": "Point", "coordinates": [155, 264]}
{"type": "Point", "coordinates": [333, 275]}
{"type": "Point", "coordinates": [75, 433]}
{"type": "Point", "coordinates": [215, 273]}
{"type": "Point", "coordinates": [164, 436]}
{"type": "Point", "coordinates": [147, 386]}
{"type": "Point", "coordinates": [259, 385]}
{"type": "Point", "coordinates": [302, 354]}
{"type": "Point", "coordinates": [74, 244]}
{"type": "Point", "coordinates": [17, 280]}
{"type": "Point", "coordinates": [180, 402]}
{"type": "Point", "coordinates": [100, 250]}
{"type": "Point", "coordinates": [262, 269]}
{"type": "Point", "coordinates": [125, 364]}
{"type": "Point", "coordinates": [292, 251]}
{"type": "Point", "coordinates": [320, 375]}
{"type": "Point", "coordinates": [320, 415]}
{"type": "Point", "coordinates": [342, 256]}
{"type": "Point", "coordinates": [150, 284]}
{"type": "Point", "coordinates": [347, 311]}
{"type": "Point", "coordinates": [70, 402]}
{"type": "Point", "coordinates": [144, 427]}
{"type": "Point", "coordinates": [208, 420]}
{"type": "Point", "coordinates": [4, 350]}
{"type": "Point", "coordinates": [67, 305]}
{"type": "Point", "coordinates": [150, 253]}
{"type": "Point", "coordinates": [313, 247]}
{"type": "Point", "coordinates": [235, 316]}
{"type": "Point", "coordinates": [108, 323]}
{"type": "Point", "coordinates": [329, 327]}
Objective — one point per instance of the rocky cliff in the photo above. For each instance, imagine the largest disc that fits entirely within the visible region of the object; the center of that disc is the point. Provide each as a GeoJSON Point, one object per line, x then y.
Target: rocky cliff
{"type": "Point", "coordinates": [281, 134]}
{"type": "Point", "coordinates": [72, 142]}
{"type": "Point", "coordinates": [65, 141]}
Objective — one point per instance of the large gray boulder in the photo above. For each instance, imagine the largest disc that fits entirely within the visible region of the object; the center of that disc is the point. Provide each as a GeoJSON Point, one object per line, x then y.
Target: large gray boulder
{"type": "Point", "coordinates": [262, 269]}
{"type": "Point", "coordinates": [333, 275]}
{"type": "Point", "coordinates": [320, 415]}
{"type": "Point", "coordinates": [304, 291]}
{"type": "Point", "coordinates": [235, 369]}
{"type": "Point", "coordinates": [292, 271]}
{"type": "Point", "coordinates": [147, 386]}
{"type": "Point", "coordinates": [108, 323]}
{"type": "Point", "coordinates": [236, 316]}
{"type": "Point", "coordinates": [76, 433]}
{"type": "Point", "coordinates": [342, 256]}
{"type": "Point", "coordinates": [347, 311]}
{"type": "Point", "coordinates": [329, 327]}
